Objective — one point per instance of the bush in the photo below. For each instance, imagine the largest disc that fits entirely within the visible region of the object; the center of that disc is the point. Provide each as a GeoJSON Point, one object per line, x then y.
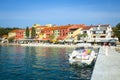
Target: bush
{"type": "Point", "coordinates": [11, 39]}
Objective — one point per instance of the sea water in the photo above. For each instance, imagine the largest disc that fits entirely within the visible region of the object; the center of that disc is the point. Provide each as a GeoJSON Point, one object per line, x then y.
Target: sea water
{"type": "Point", "coordinates": [39, 63]}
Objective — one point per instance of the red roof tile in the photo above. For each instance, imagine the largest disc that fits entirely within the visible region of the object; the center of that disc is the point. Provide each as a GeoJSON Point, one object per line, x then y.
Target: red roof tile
{"type": "Point", "coordinates": [56, 28]}
{"type": "Point", "coordinates": [86, 28]}
{"type": "Point", "coordinates": [18, 30]}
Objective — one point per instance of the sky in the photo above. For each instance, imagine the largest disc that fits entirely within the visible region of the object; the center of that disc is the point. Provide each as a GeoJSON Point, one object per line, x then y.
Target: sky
{"type": "Point", "coordinates": [23, 13]}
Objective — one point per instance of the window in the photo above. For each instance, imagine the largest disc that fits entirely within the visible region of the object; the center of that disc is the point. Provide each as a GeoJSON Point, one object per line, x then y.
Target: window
{"type": "Point", "coordinates": [72, 32]}
{"type": "Point", "coordinates": [104, 32]}
{"type": "Point", "coordinates": [102, 36]}
{"type": "Point", "coordinates": [84, 31]}
{"type": "Point", "coordinates": [93, 32]}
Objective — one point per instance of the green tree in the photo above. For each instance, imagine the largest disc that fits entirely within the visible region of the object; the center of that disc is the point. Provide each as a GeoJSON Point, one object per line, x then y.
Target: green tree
{"type": "Point", "coordinates": [79, 37]}
{"type": "Point", "coordinates": [82, 36]}
{"type": "Point", "coordinates": [5, 31]}
{"type": "Point", "coordinates": [51, 37]}
{"type": "Point", "coordinates": [33, 33]}
{"type": "Point", "coordinates": [116, 31]}
{"type": "Point", "coordinates": [27, 32]}
{"type": "Point", "coordinates": [11, 39]}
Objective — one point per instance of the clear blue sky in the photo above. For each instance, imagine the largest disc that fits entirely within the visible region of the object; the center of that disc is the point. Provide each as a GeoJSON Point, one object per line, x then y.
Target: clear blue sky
{"type": "Point", "coordinates": [23, 13]}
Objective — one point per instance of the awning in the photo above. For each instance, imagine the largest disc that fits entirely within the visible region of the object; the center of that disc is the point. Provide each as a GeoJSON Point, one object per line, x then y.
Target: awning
{"type": "Point", "coordinates": [110, 40]}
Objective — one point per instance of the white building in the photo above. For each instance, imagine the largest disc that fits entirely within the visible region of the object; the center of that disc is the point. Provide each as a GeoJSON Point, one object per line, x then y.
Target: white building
{"type": "Point", "coordinates": [98, 33]}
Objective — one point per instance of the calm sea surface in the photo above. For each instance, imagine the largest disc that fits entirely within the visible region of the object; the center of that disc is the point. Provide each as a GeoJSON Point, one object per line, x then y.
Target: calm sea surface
{"type": "Point", "coordinates": [38, 63]}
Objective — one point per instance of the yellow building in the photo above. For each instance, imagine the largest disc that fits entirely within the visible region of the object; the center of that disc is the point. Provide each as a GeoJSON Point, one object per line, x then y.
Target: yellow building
{"type": "Point", "coordinates": [12, 34]}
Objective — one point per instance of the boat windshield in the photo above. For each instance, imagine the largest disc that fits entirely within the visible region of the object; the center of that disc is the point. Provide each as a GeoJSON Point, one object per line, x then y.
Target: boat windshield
{"type": "Point", "coordinates": [91, 48]}
{"type": "Point", "coordinates": [83, 48]}
{"type": "Point", "coordinates": [79, 48]}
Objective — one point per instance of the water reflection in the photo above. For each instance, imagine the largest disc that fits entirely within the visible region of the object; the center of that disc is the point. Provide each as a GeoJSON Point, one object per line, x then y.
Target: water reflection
{"type": "Point", "coordinates": [38, 63]}
{"type": "Point", "coordinates": [81, 73]}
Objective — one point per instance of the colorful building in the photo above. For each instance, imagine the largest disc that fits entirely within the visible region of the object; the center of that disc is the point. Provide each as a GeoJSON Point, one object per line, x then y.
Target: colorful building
{"type": "Point", "coordinates": [67, 33]}
{"type": "Point", "coordinates": [17, 34]}
{"type": "Point", "coordinates": [62, 32]}
{"type": "Point", "coordinates": [74, 31]}
{"type": "Point", "coordinates": [58, 32]}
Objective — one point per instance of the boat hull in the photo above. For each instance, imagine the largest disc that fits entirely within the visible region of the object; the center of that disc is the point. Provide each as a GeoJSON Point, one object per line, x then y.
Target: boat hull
{"type": "Point", "coordinates": [82, 57]}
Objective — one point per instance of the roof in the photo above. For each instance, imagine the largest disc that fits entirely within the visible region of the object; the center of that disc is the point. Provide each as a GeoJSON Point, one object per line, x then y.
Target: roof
{"type": "Point", "coordinates": [78, 26]}
{"type": "Point", "coordinates": [18, 30]}
{"type": "Point", "coordinates": [86, 28]}
{"type": "Point", "coordinates": [56, 28]}
{"type": "Point", "coordinates": [64, 27]}
{"type": "Point", "coordinates": [101, 27]}
{"type": "Point", "coordinates": [106, 25]}
{"type": "Point", "coordinates": [40, 27]}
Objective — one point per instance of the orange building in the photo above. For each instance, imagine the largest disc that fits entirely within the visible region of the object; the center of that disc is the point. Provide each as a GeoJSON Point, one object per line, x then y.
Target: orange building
{"type": "Point", "coordinates": [60, 32]}
{"type": "Point", "coordinates": [49, 33]}
{"type": "Point", "coordinates": [17, 34]}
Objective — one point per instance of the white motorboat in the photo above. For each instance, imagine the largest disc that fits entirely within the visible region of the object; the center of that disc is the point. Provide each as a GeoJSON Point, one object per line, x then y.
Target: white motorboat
{"type": "Point", "coordinates": [82, 55]}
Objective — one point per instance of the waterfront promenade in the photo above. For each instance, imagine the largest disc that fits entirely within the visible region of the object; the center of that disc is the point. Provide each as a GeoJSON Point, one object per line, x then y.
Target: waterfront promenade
{"type": "Point", "coordinates": [107, 67]}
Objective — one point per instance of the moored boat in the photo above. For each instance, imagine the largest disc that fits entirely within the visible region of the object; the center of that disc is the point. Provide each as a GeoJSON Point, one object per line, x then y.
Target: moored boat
{"type": "Point", "coordinates": [82, 56]}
